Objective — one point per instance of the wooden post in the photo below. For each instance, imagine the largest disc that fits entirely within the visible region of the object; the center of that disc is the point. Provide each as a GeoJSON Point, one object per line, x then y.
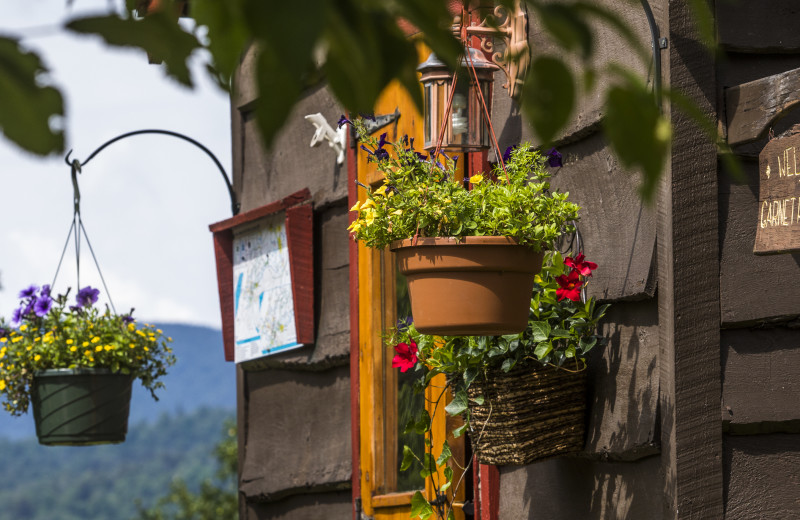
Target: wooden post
{"type": "Point", "coordinates": [688, 289]}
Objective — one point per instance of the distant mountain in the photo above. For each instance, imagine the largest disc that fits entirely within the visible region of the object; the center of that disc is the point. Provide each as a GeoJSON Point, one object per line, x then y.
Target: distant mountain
{"type": "Point", "coordinates": [200, 379]}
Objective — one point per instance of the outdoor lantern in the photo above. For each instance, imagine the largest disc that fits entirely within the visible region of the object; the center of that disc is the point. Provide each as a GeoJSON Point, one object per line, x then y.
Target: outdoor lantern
{"type": "Point", "coordinates": [466, 128]}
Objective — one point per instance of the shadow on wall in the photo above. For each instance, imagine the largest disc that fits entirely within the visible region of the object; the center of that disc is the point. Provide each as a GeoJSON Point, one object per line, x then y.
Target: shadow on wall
{"type": "Point", "coordinates": [619, 473]}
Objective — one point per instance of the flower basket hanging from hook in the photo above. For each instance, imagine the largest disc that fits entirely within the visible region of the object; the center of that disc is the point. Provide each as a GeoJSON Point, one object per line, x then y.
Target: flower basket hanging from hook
{"type": "Point", "coordinates": [75, 363]}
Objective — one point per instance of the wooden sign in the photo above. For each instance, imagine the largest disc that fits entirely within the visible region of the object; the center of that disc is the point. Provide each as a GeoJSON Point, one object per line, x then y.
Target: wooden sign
{"type": "Point", "coordinates": [266, 309]}
{"type": "Point", "coordinates": [778, 226]}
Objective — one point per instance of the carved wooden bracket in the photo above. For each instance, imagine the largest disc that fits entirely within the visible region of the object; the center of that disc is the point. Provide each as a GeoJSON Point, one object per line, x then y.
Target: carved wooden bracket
{"type": "Point", "coordinates": [516, 57]}
{"type": "Point", "coordinates": [752, 108]}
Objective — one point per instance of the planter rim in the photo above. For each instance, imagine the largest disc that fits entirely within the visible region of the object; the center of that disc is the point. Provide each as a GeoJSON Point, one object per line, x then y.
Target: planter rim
{"type": "Point", "coordinates": [54, 372]}
{"type": "Point", "coordinates": [455, 241]}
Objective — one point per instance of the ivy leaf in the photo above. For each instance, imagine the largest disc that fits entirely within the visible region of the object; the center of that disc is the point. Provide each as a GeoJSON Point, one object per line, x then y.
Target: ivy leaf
{"type": "Point", "coordinates": [408, 458]}
{"type": "Point", "coordinates": [587, 344]}
{"type": "Point", "coordinates": [27, 104]}
{"type": "Point", "coordinates": [459, 403]}
{"type": "Point", "coordinates": [478, 399]}
{"type": "Point", "coordinates": [458, 432]}
{"type": "Point", "coordinates": [508, 364]}
{"type": "Point", "coordinates": [158, 34]}
{"type": "Point", "coordinates": [428, 466]}
{"type": "Point", "coordinates": [445, 455]}
{"type": "Point", "coordinates": [541, 330]}
{"type": "Point", "coordinates": [548, 96]}
{"type": "Point", "coordinates": [420, 508]}
{"type": "Point", "coordinates": [448, 476]}
{"type": "Point", "coordinates": [542, 350]}
{"type": "Point", "coordinates": [469, 376]}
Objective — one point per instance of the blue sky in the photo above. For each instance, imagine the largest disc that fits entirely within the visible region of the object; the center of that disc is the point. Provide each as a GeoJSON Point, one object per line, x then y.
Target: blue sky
{"type": "Point", "coordinates": [146, 201]}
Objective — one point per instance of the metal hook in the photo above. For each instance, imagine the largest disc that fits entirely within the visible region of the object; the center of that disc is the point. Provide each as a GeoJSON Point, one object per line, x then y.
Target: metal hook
{"type": "Point", "coordinates": [76, 197]}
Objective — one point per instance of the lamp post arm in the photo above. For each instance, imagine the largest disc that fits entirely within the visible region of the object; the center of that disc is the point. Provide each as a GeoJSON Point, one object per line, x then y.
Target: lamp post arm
{"type": "Point", "coordinates": [234, 203]}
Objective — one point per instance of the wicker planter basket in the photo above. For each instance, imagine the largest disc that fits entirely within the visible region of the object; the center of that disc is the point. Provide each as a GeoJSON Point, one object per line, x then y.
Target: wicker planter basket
{"type": "Point", "coordinates": [533, 413]}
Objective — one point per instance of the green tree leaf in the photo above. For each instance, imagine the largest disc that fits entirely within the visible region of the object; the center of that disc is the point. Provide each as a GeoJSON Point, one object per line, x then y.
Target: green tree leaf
{"type": "Point", "coordinates": [27, 103]}
{"type": "Point", "coordinates": [158, 33]}
{"type": "Point", "coordinates": [636, 130]}
{"type": "Point", "coordinates": [548, 96]}
{"type": "Point", "coordinates": [408, 458]}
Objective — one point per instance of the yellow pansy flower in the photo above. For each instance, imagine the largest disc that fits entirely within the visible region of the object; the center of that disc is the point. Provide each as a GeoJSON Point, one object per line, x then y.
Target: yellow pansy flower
{"type": "Point", "coordinates": [476, 179]}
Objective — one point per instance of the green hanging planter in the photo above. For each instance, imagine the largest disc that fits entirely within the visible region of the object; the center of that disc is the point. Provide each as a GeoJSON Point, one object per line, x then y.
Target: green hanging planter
{"type": "Point", "coordinates": [81, 407]}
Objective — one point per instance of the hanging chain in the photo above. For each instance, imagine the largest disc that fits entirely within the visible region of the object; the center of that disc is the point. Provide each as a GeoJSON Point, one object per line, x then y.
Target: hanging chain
{"type": "Point", "coordinates": [78, 232]}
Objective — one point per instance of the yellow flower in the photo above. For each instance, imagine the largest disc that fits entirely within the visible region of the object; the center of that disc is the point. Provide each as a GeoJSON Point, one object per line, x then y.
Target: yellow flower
{"type": "Point", "coordinates": [131, 326]}
{"type": "Point", "coordinates": [160, 331]}
{"type": "Point", "coordinates": [85, 344]}
{"type": "Point", "coordinates": [73, 348]}
{"type": "Point", "coordinates": [356, 206]}
{"type": "Point", "coordinates": [169, 339]}
{"type": "Point", "coordinates": [2, 384]}
{"type": "Point", "coordinates": [476, 179]}
{"type": "Point", "coordinates": [146, 349]}
{"type": "Point", "coordinates": [23, 327]}
{"type": "Point", "coordinates": [87, 353]}
{"type": "Point", "coordinates": [397, 212]}
{"type": "Point", "coordinates": [3, 340]}
{"type": "Point", "coordinates": [28, 348]}
{"type": "Point", "coordinates": [16, 339]}
{"type": "Point", "coordinates": [109, 347]}
{"type": "Point", "coordinates": [368, 204]}
{"type": "Point", "coordinates": [99, 348]}
{"type": "Point", "coordinates": [37, 357]}
{"type": "Point", "coordinates": [381, 191]}
{"type": "Point", "coordinates": [132, 345]}
{"type": "Point", "coordinates": [70, 342]}
{"type": "Point", "coordinates": [369, 216]}
{"type": "Point", "coordinates": [95, 339]}
{"type": "Point", "coordinates": [141, 333]}
{"type": "Point", "coordinates": [37, 338]}
{"type": "Point", "coordinates": [355, 227]}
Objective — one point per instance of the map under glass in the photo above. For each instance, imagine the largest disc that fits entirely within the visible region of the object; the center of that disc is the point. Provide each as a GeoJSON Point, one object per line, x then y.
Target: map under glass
{"type": "Point", "coordinates": [262, 283]}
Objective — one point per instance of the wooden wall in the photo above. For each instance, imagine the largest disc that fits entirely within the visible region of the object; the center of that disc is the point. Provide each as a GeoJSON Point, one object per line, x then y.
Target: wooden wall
{"type": "Point", "coordinates": [695, 403]}
{"type": "Point", "coordinates": [294, 408]}
{"type": "Point", "coordinates": [759, 296]}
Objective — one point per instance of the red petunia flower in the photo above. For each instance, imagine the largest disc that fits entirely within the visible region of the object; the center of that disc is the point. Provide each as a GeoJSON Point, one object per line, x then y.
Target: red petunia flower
{"type": "Point", "coordinates": [569, 286]}
{"type": "Point", "coordinates": [581, 265]}
{"type": "Point", "coordinates": [406, 356]}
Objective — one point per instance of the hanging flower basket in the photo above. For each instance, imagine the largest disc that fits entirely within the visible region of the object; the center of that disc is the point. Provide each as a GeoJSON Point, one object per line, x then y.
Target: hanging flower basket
{"type": "Point", "coordinates": [468, 286]}
{"type": "Point", "coordinates": [528, 414]}
{"type": "Point", "coordinates": [82, 406]}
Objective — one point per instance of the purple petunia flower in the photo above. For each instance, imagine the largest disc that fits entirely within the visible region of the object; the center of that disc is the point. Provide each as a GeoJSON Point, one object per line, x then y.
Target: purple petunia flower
{"type": "Point", "coordinates": [507, 153]}
{"type": "Point", "coordinates": [383, 140]}
{"type": "Point", "coordinates": [343, 121]}
{"type": "Point", "coordinates": [87, 296]}
{"type": "Point", "coordinates": [42, 306]}
{"type": "Point", "coordinates": [16, 316]}
{"type": "Point", "coordinates": [29, 308]}
{"type": "Point", "coordinates": [45, 292]}
{"type": "Point", "coordinates": [127, 319]}
{"type": "Point", "coordinates": [381, 154]}
{"type": "Point", "coordinates": [554, 158]}
{"type": "Point", "coordinates": [30, 291]}
{"type": "Point", "coordinates": [404, 140]}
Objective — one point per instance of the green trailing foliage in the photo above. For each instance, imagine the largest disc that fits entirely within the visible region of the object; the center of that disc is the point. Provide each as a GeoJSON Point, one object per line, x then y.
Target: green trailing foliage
{"type": "Point", "coordinates": [562, 329]}
{"type": "Point", "coordinates": [424, 196]}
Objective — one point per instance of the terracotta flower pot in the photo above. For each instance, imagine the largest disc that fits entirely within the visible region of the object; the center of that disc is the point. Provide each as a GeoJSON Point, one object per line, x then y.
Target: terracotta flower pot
{"type": "Point", "coordinates": [471, 286]}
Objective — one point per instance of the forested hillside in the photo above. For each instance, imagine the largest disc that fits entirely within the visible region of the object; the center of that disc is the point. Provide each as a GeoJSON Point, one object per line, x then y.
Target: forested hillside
{"type": "Point", "coordinates": [105, 482]}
